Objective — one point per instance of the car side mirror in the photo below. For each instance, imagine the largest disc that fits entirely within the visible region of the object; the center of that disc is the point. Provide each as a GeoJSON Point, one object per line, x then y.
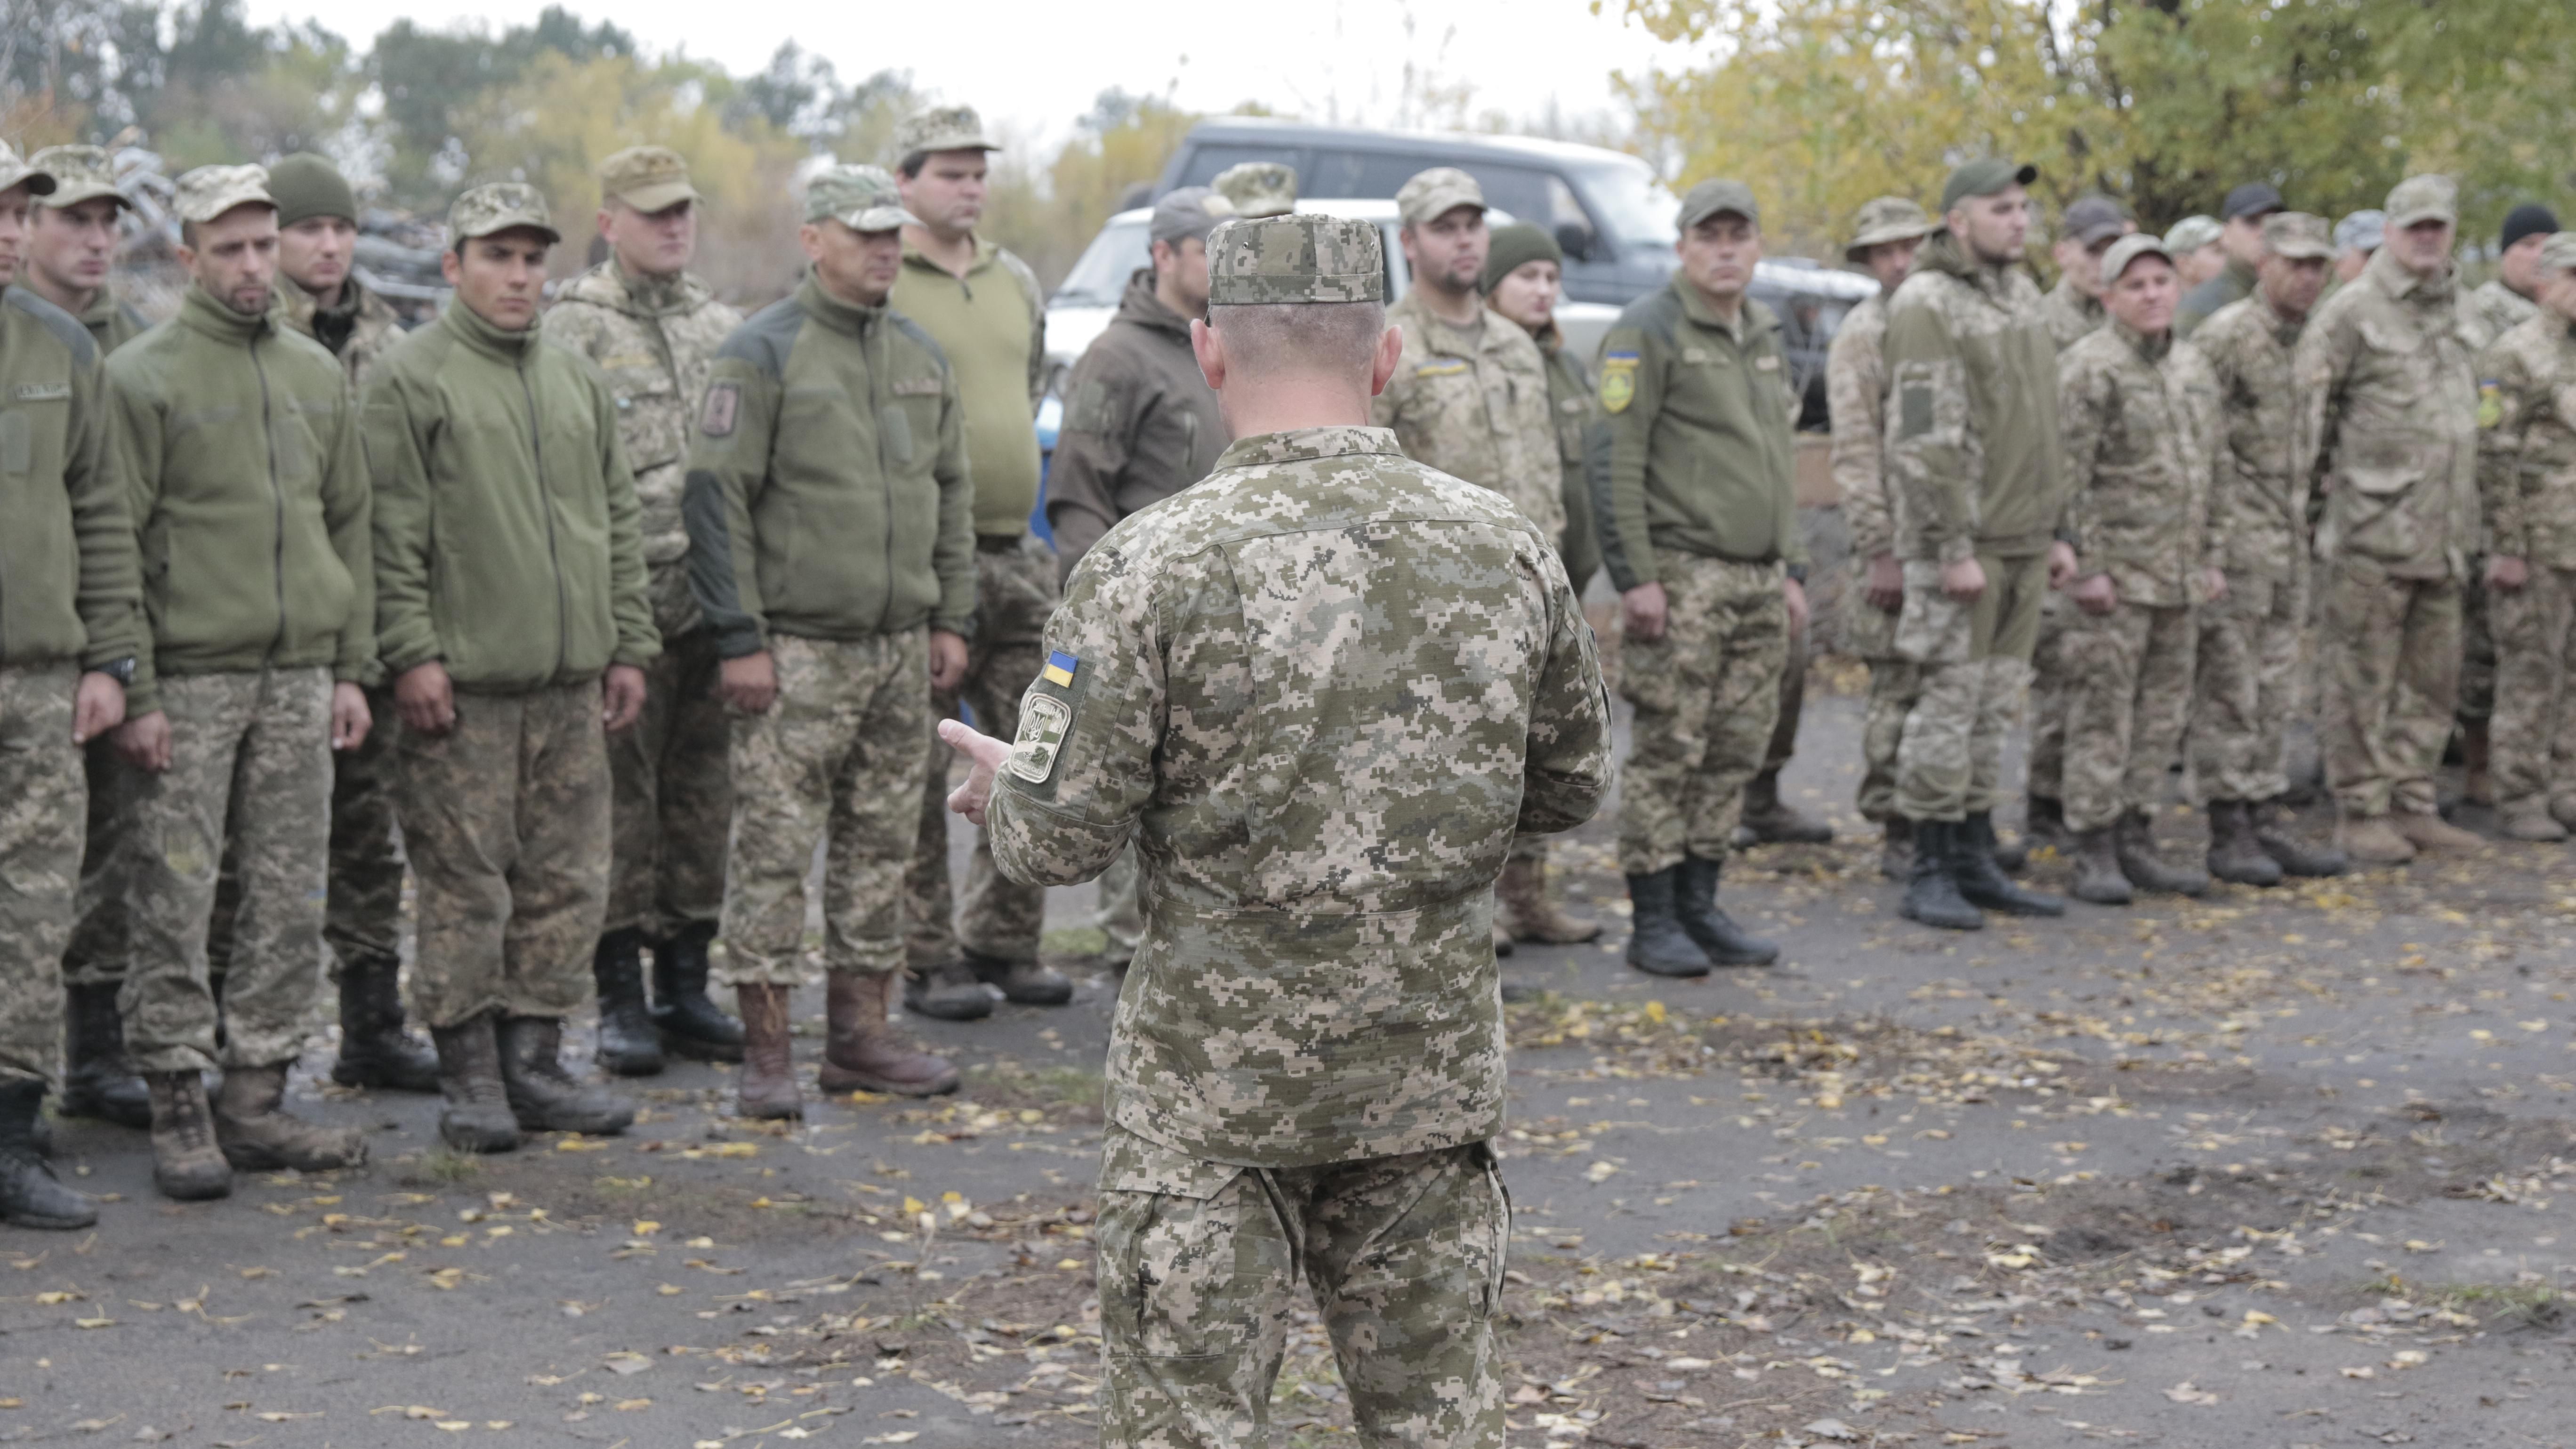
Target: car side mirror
{"type": "Point", "coordinates": [1575, 240]}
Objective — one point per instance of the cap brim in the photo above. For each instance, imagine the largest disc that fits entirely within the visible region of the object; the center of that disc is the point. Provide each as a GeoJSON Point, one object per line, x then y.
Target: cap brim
{"type": "Point", "coordinates": [2405, 219]}
{"type": "Point", "coordinates": [1882, 237]}
{"type": "Point", "coordinates": [878, 218]}
{"type": "Point", "coordinates": [38, 183]}
{"type": "Point", "coordinates": [2104, 231]}
{"type": "Point", "coordinates": [2303, 251]}
{"type": "Point", "coordinates": [1439, 206]}
{"type": "Point", "coordinates": [59, 195]}
{"type": "Point", "coordinates": [2025, 174]}
{"type": "Point", "coordinates": [658, 198]}
{"type": "Point", "coordinates": [552, 236]}
{"type": "Point", "coordinates": [1691, 219]}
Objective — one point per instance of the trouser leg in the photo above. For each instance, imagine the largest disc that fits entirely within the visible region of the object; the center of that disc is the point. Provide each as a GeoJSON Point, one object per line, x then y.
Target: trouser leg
{"type": "Point", "coordinates": [458, 798]}
{"type": "Point", "coordinates": [44, 815]}
{"type": "Point", "coordinates": [1016, 594]}
{"type": "Point", "coordinates": [279, 835]}
{"type": "Point", "coordinates": [2362, 644]}
{"type": "Point", "coordinates": [2100, 654]}
{"type": "Point", "coordinates": [2532, 641]}
{"type": "Point", "coordinates": [559, 882]}
{"type": "Point", "coordinates": [865, 854]}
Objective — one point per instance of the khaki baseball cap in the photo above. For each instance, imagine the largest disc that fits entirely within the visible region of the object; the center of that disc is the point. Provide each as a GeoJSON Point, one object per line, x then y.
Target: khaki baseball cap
{"type": "Point", "coordinates": [1985, 178]}
{"type": "Point", "coordinates": [2191, 234]}
{"type": "Point", "coordinates": [2558, 254]}
{"type": "Point", "coordinates": [943, 128]}
{"type": "Point", "coordinates": [2423, 198]}
{"type": "Point", "coordinates": [862, 198]}
{"type": "Point", "coordinates": [15, 168]}
{"type": "Point", "coordinates": [1298, 258]}
{"type": "Point", "coordinates": [210, 191]}
{"type": "Point", "coordinates": [81, 173]}
{"type": "Point", "coordinates": [2128, 249]}
{"type": "Point", "coordinates": [1259, 188]}
{"type": "Point", "coordinates": [498, 207]}
{"type": "Point", "coordinates": [2298, 236]}
{"type": "Point", "coordinates": [1435, 193]}
{"type": "Point", "coordinates": [1709, 198]}
{"type": "Point", "coordinates": [647, 178]}
{"type": "Point", "coordinates": [1886, 219]}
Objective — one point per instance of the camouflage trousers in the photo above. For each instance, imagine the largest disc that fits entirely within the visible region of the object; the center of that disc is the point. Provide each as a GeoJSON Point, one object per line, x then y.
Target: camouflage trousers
{"type": "Point", "coordinates": [1893, 685]}
{"type": "Point", "coordinates": [2534, 732]}
{"type": "Point", "coordinates": [249, 780]}
{"type": "Point", "coordinates": [2245, 689]}
{"type": "Point", "coordinates": [833, 763]}
{"type": "Point", "coordinates": [44, 812]}
{"type": "Point", "coordinates": [1974, 659]}
{"type": "Point", "coordinates": [2044, 773]}
{"type": "Point", "coordinates": [1707, 697]}
{"type": "Point", "coordinates": [1783, 745]}
{"type": "Point", "coordinates": [1199, 1265]}
{"type": "Point", "coordinates": [673, 796]}
{"type": "Point", "coordinates": [1121, 916]}
{"type": "Point", "coordinates": [2390, 663]}
{"type": "Point", "coordinates": [2128, 696]}
{"type": "Point", "coordinates": [1015, 595]}
{"type": "Point", "coordinates": [101, 939]}
{"type": "Point", "coordinates": [363, 919]}
{"type": "Point", "coordinates": [2481, 647]}
{"type": "Point", "coordinates": [506, 817]}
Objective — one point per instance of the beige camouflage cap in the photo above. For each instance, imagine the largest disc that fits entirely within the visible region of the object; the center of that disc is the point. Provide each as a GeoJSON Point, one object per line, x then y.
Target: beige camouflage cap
{"type": "Point", "coordinates": [2298, 236]}
{"type": "Point", "coordinates": [1887, 219]}
{"type": "Point", "coordinates": [2423, 198]}
{"type": "Point", "coordinates": [81, 173]}
{"type": "Point", "coordinates": [647, 178]}
{"type": "Point", "coordinates": [2558, 254]}
{"type": "Point", "coordinates": [2128, 249]}
{"type": "Point", "coordinates": [2191, 234]}
{"type": "Point", "coordinates": [210, 191]}
{"type": "Point", "coordinates": [1435, 193]}
{"type": "Point", "coordinates": [15, 168]}
{"type": "Point", "coordinates": [497, 207]}
{"type": "Point", "coordinates": [1301, 257]}
{"type": "Point", "coordinates": [1709, 198]}
{"type": "Point", "coordinates": [945, 128]}
{"type": "Point", "coordinates": [862, 198]}
{"type": "Point", "coordinates": [1259, 188]}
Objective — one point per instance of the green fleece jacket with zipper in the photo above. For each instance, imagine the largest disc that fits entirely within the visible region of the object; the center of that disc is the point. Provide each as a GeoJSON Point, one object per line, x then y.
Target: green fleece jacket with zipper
{"type": "Point", "coordinates": [507, 543]}
{"type": "Point", "coordinates": [67, 570]}
{"type": "Point", "coordinates": [248, 490]}
{"type": "Point", "coordinates": [827, 495]}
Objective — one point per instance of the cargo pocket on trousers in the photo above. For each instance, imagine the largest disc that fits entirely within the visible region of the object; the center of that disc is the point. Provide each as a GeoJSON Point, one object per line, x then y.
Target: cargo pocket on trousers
{"type": "Point", "coordinates": [1170, 1280]}
{"type": "Point", "coordinates": [1502, 1227]}
{"type": "Point", "coordinates": [1932, 627]}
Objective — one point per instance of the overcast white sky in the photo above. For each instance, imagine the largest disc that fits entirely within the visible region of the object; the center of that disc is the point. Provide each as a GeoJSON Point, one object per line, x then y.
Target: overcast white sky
{"type": "Point", "coordinates": [1037, 64]}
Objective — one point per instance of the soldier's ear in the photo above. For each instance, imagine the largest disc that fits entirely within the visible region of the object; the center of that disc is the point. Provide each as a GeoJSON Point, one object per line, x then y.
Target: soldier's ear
{"type": "Point", "coordinates": [1208, 347]}
{"type": "Point", "coordinates": [1390, 350]}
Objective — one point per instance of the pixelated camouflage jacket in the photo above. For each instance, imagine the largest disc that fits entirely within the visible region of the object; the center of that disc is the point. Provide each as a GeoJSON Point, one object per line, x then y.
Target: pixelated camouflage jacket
{"type": "Point", "coordinates": [1856, 391]}
{"type": "Point", "coordinates": [358, 331]}
{"type": "Point", "coordinates": [1478, 412]}
{"type": "Point", "coordinates": [2388, 422]}
{"type": "Point", "coordinates": [2072, 316]}
{"type": "Point", "coordinates": [1322, 689]}
{"type": "Point", "coordinates": [2527, 441]}
{"type": "Point", "coordinates": [2495, 309]}
{"type": "Point", "coordinates": [2141, 425]}
{"type": "Point", "coordinates": [68, 570]}
{"type": "Point", "coordinates": [2259, 519]}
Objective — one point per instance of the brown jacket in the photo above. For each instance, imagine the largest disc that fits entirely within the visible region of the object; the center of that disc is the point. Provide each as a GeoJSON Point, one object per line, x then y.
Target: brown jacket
{"type": "Point", "coordinates": [1140, 424]}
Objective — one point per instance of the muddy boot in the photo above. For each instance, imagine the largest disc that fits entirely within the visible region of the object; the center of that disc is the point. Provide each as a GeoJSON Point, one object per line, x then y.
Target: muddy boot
{"type": "Point", "coordinates": [98, 1081]}
{"type": "Point", "coordinates": [1528, 914]}
{"type": "Point", "coordinates": [690, 1022]}
{"type": "Point", "coordinates": [1022, 983]}
{"type": "Point", "coordinates": [1711, 929]}
{"type": "Point", "coordinates": [1981, 879]}
{"type": "Point", "coordinates": [30, 1195]}
{"type": "Point", "coordinates": [628, 1044]}
{"type": "Point", "coordinates": [2271, 831]}
{"type": "Point", "coordinates": [1657, 944]}
{"type": "Point", "coordinates": [2427, 831]}
{"type": "Point", "coordinates": [1932, 886]}
{"type": "Point", "coordinates": [545, 1097]}
{"type": "Point", "coordinates": [1774, 821]}
{"type": "Point", "coordinates": [2372, 840]}
{"type": "Point", "coordinates": [257, 1137]}
{"type": "Point", "coordinates": [1896, 849]}
{"type": "Point", "coordinates": [767, 1088]}
{"type": "Point", "coordinates": [862, 1051]}
{"type": "Point", "coordinates": [950, 991]}
{"type": "Point", "coordinates": [2477, 781]}
{"type": "Point", "coordinates": [186, 1164]}
{"type": "Point", "coordinates": [2235, 855]}
{"type": "Point", "coordinates": [2133, 839]}
{"type": "Point", "coordinates": [2043, 822]}
{"type": "Point", "coordinates": [375, 1051]}
{"type": "Point", "coordinates": [477, 1116]}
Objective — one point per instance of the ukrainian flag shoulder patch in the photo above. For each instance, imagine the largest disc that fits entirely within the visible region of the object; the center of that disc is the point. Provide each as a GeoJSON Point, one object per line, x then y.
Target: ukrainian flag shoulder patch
{"type": "Point", "coordinates": [1060, 668]}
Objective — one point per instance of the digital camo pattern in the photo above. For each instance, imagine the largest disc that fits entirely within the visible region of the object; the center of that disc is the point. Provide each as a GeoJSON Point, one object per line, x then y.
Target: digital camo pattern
{"type": "Point", "coordinates": [2246, 686]}
{"type": "Point", "coordinates": [360, 329]}
{"type": "Point", "coordinates": [2495, 309]}
{"type": "Point", "coordinates": [497, 206]}
{"type": "Point", "coordinates": [1297, 258]}
{"type": "Point", "coordinates": [1198, 1271]}
{"type": "Point", "coordinates": [1477, 411]}
{"type": "Point", "coordinates": [2390, 666]}
{"type": "Point", "coordinates": [2072, 316]}
{"type": "Point", "coordinates": [2259, 514]}
{"type": "Point", "coordinates": [1856, 391]}
{"type": "Point", "coordinates": [1894, 688]}
{"type": "Point", "coordinates": [833, 763]}
{"type": "Point", "coordinates": [2527, 486]}
{"type": "Point", "coordinates": [1707, 695]}
{"type": "Point", "coordinates": [43, 814]}
{"type": "Point", "coordinates": [249, 780]}
{"type": "Point", "coordinates": [363, 921]}
{"type": "Point", "coordinates": [2140, 420]}
{"type": "Point", "coordinates": [673, 796]}
{"type": "Point", "coordinates": [506, 817]}
{"type": "Point", "coordinates": [1323, 690]}
{"type": "Point", "coordinates": [2128, 696]}
{"type": "Point", "coordinates": [2533, 734]}
{"type": "Point", "coordinates": [1974, 659]}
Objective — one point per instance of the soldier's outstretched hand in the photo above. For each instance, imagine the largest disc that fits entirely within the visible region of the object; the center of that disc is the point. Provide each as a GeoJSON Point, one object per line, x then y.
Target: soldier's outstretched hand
{"type": "Point", "coordinates": [986, 753]}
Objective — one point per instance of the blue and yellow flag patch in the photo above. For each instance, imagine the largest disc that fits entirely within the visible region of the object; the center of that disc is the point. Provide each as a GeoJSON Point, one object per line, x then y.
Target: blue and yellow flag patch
{"type": "Point", "coordinates": [1059, 669]}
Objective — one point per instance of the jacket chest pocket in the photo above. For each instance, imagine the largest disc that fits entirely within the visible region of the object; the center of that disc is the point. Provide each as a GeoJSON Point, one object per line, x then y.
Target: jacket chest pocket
{"type": "Point", "coordinates": [1452, 393]}
{"type": "Point", "coordinates": [894, 433]}
{"type": "Point", "coordinates": [17, 441]}
{"type": "Point", "coordinates": [650, 423]}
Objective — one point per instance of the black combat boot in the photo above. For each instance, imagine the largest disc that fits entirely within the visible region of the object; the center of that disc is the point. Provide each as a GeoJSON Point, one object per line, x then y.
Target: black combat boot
{"type": "Point", "coordinates": [2098, 877]}
{"type": "Point", "coordinates": [545, 1097]}
{"type": "Point", "coordinates": [99, 1081]}
{"type": "Point", "coordinates": [2310, 861]}
{"type": "Point", "coordinates": [692, 1025]}
{"type": "Point", "coordinates": [375, 1051]}
{"type": "Point", "coordinates": [1657, 944]}
{"type": "Point", "coordinates": [1981, 878]}
{"type": "Point", "coordinates": [1023, 983]}
{"type": "Point", "coordinates": [2235, 855]}
{"type": "Point", "coordinates": [1932, 895]}
{"type": "Point", "coordinates": [1711, 929]}
{"type": "Point", "coordinates": [30, 1195]}
{"type": "Point", "coordinates": [1775, 821]}
{"type": "Point", "coordinates": [628, 1045]}
{"type": "Point", "coordinates": [2134, 840]}
{"type": "Point", "coordinates": [950, 991]}
{"type": "Point", "coordinates": [477, 1117]}
{"type": "Point", "coordinates": [2043, 822]}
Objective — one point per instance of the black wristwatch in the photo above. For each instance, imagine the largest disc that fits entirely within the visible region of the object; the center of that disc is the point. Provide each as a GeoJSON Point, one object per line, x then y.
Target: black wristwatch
{"type": "Point", "coordinates": [120, 670]}
{"type": "Point", "coordinates": [1798, 573]}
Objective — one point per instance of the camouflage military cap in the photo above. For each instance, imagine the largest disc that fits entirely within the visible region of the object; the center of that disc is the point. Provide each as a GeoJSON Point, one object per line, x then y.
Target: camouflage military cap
{"type": "Point", "coordinates": [2128, 249]}
{"type": "Point", "coordinates": [1989, 177]}
{"type": "Point", "coordinates": [2298, 236]}
{"type": "Point", "coordinates": [1435, 193]}
{"type": "Point", "coordinates": [2362, 231]}
{"type": "Point", "coordinates": [2191, 234]}
{"type": "Point", "coordinates": [1887, 219]}
{"type": "Point", "coordinates": [1259, 188]}
{"type": "Point", "coordinates": [2558, 254]}
{"type": "Point", "coordinates": [498, 207]}
{"type": "Point", "coordinates": [1301, 257]}
{"type": "Point", "coordinates": [2423, 198]}
{"type": "Point", "coordinates": [15, 168]}
{"type": "Point", "coordinates": [81, 173]}
{"type": "Point", "coordinates": [945, 128]}
{"type": "Point", "coordinates": [862, 198]}
{"type": "Point", "coordinates": [1188, 214]}
{"type": "Point", "coordinates": [647, 178]}
{"type": "Point", "coordinates": [210, 191]}
{"type": "Point", "coordinates": [1709, 198]}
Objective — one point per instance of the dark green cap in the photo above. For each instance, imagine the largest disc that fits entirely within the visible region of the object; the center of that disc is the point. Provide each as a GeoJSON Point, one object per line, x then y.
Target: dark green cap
{"type": "Point", "coordinates": [1985, 178]}
{"type": "Point", "coordinates": [305, 186]}
{"type": "Point", "coordinates": [1512, 247]}
{"type": "Point", "coordinates": [1711, 197]}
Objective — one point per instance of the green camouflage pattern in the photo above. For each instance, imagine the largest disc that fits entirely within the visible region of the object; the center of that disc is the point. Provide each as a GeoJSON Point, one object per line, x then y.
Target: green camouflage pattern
{"type": "Point", "coordinates": [2140, 420]}
{"type": "Point", "coordinates": [673, 796]}
{"type": "Point", "coordinates": [862, 198]}
{"type": "Point", "coordinates": [2428, 197]}
{"type": "Point", "coordinates": [1856, 394]}
{"type": "Point", "coordinates": [2495, 309]}
{"type": "Point", "coordinates": [1707, 697]}
{"type": "Point", "coordinates": [2071, 315]}
{"type": "Point", "coordinates": [2128, 695]}
{"type": "Point", "coordinates": [209, 191]}
{"type": "Point", "coordinates": [1322, 690]}
{"type": "Point", "coordinates": [832, 764]}
{"type": "Point", "coordinates": [2527, 488]}
{"type": "Point", "coordinates": [1885, 219]}
{"type": "Point", "coordinates": [1475, 408]}
{"type": "Point", "coordinates": [43, 817]}
{"type": "Point", "coordinates": [2259, 512]}
{"type": "Point", "coordinates": [1198, 1269]}
{"type": "Point", "coordinates": [81, 173]}
{"type": "Point", "coordinates": [2389, 671]}
{"type": "Point", "coordinates": [497, 207]}
{"type": "Point", "coordinates": [249, 786]}
{"type": "Point", "coordinates": [2246, 688]}
{"type": "Point", "coordinates": [1974, 659]}
{"type": "Point", "coordinates": [941, 128]}
{"type": "Point", "coordinates": [2533, 732]}
{"type": "Point", "coordinates": [1258, 188]}
{"type": "Point", "coordinates": [1296, 258]}
{"type": "Point", "coordinates": [1429, 195]}
{"type": "Point", "coordinates": [364, 324]}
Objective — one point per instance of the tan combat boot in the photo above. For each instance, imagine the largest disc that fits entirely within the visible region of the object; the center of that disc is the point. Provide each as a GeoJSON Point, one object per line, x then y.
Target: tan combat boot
{"type": "Point", "coordinates": [2427, 831]}
{"type": "Point", "coordinates": [257, 1137]}
{"type": "Point", "coordinates": [185, 1162]}
{"type": "Point", "coordinates": [1528, 913]}
{"type": "Point", "coordinates": [2371, 840]}
{"type": "Point", "coordinates": [767, 1088]}
{"type": "Point", "coordinates": [2529, 819]}
{"type": "Point", "coordinates": [862, 1052]}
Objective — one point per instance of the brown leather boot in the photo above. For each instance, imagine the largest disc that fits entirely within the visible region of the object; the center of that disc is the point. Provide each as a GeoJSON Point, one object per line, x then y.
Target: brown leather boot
{"type": "Point", "coordinates": [185, 1162]}
{"type": "Point", "coordinates": [2427, 831]}
{"type": "Point", "coordinates": [862, 1051]}
{"type": "Point", "coordinates": [767, 1088]}
{"type": "Point", "coordinates": [2372, 840]}
{"type": "Point", "coordinates": [257, 1137]}
{"type": "Point", "coordinates": [1530, 915]}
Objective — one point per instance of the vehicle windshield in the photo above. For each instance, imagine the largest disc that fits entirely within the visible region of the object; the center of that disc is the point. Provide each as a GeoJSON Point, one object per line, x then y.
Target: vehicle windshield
{"type": "Point", "coordinates": [1100, 278]}
{"type": "Point", "coordinates": [1634, 205]}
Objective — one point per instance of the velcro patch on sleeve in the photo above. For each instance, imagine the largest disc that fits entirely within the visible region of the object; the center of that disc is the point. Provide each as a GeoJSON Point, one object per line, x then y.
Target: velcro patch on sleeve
{"type": "Point", "coordinates": [1914, 410]}
{"type": "Point", "coordinates": [1043, 722]}
{"type": "Point", "coordinates": [916, 387]}
{"type": "Point", "coordinates": [722, 411]}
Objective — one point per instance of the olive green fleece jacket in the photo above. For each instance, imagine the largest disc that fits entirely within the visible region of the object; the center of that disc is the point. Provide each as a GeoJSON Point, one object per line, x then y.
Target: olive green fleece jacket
{"type": "Point", "coordinates": [827, 495]}
{"type": "Point", "coordinates": [507, 544]}
{"type": "Point", "coordinates": [248, 490]}
{"type": "Point", "coordinates": [68, 590]}
{"type": "Point", "coordinates": [991, 325]}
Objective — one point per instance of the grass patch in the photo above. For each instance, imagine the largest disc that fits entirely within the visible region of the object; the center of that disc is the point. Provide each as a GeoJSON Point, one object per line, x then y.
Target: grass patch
{"type": "Point", "coordinates": [445, 1166]}
{"type": "Point", "coordinates": [1074, 941]}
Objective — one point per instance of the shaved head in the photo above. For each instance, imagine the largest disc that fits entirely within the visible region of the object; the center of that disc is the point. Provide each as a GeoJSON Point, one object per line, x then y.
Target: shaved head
{"type": "Point", "coordinates": [1329, 339]}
